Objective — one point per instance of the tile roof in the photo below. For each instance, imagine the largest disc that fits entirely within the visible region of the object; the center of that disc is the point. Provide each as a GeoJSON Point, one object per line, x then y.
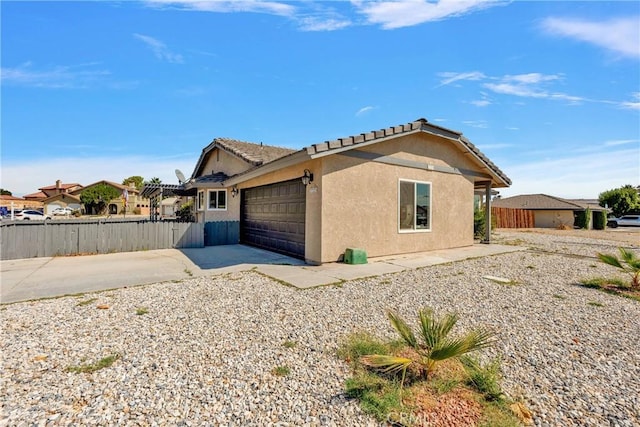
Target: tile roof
{"type": "Point", "coordinates": [256, 154]}
{"type": "Point", "coordinates": [420, 125]}
{"type": "Point", "coordinates": [540, 202]}
{"type": "Point", "coordinates": [37, 195]}
{"type": "Point", "coordinates": [252, 153]}
{"type": "Point", "coordinates": [9, 198]}
{"type": "Point", "coordinates": [111, 183]}
{"type": "Point", "coordinates": [62, 196]}
{"type": "Point", "coordinates": [62, 186]}
{"type": "Point", "coordinates": [212, 178]}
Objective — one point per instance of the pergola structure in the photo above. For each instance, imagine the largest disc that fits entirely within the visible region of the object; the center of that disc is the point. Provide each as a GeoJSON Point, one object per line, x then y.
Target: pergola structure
{"type": "Point", "coordinates": [157, 192]}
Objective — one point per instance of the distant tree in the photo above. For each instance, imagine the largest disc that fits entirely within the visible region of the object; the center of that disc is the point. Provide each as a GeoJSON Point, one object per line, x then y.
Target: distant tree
{"type": "Point", "coordinates": [155, 180]}
{"type": "Point", "coordinates": [98, 197]}
{"type": "Point", "coordinates": [5, 192]}
{"type": "Point", "coordinates": [620, 200]}
{"type": "Point", "coordinates": [136, 180]}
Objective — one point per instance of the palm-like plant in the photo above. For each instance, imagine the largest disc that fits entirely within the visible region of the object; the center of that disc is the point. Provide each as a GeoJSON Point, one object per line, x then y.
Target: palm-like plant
{"type": "Point", "coordinates": [628, 263]}
{"type": "Point", "coordinates": [435, 344]}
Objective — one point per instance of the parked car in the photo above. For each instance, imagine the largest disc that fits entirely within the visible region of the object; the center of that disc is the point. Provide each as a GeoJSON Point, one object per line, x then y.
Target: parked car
{"type": "Point", "coordinates": [62, 211]}
{"type": "Point", "coordinates": [625, 220]}
{"type": "Point", "coordinates": [31, 215]}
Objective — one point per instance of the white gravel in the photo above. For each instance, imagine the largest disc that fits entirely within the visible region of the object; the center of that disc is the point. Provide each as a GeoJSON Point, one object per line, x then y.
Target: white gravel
{"type": "Point", "coordinates": [205, 351]}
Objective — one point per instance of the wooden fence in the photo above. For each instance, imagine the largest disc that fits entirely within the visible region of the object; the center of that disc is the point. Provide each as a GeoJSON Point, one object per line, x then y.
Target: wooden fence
{"type": "Point", "coordinates": [512, 218]}
{"type": "Point", "coordinates": [29, 239]}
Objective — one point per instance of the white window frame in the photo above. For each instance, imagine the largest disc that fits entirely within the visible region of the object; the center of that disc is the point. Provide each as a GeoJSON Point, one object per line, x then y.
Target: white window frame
{"type": "Point", "coordinates": [414, 229]}
{"type": "Point", "coordinates": [200, 201]}
{"type": "Point", "coordinates": [226, 200]}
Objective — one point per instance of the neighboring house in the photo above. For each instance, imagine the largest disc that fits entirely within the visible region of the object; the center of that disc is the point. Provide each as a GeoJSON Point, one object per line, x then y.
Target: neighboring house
{"type": "Point", "coordinates": [407, 188]}
{"type": "Point", "coordinates": [116, 205]}
{"type": "Point", "coordinates": [7, 202]}
{"type": "Point", "coordinates": [550, 211]}
{"type": "Point", "coordinates": [61, 200]}
{"type": "Point", "coordinates": [57, 196]}
{"type": "Point", "coordinates": [37, 197]}
{"type": "Point", "coordinates": [170, 206]}
{"type": "Point", "coordinates": [60, 188]}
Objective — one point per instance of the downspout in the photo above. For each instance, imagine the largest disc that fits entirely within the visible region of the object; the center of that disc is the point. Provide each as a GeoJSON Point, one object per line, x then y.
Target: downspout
{"type": "Point", "coordinates": [487, 213]}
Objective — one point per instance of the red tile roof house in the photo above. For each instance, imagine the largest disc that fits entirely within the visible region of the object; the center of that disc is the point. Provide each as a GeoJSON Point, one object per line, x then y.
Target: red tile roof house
{"type": "Point", "coordinates": [59, 196]}
{"type": "Point", "coordinates": [403, 189]}
{"type": "Point", "coordinates": [550, 211]}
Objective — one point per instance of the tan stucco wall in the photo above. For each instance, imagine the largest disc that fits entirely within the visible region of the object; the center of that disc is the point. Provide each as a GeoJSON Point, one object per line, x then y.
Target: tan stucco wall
{"type": "Point", "coordinates": [361, 209]}
{"type": "Point", "coordinates": [232, 213]}
{"type": "Point", "coordinates": [553, 219]}
{"type": "Point", "coordinates": [221, 161]}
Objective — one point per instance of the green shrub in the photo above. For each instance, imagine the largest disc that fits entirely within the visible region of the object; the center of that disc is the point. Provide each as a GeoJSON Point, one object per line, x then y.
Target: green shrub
{"type": "Point", "coordinates": [581, 220]}
{"type": "Point", "coordinates": [599, 220]}
{"type": "Point", "coordinates": [484, 378]}
{"type": "Point", "coordinates": [478, 223]}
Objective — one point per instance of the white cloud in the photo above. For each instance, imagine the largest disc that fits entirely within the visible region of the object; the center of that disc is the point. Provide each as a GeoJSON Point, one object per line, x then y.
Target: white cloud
{"type": "Point", "coordinates": [451, 77]}
{"type": "Point", "coordinates": [481, 124]}
{"type": "Point", "coordinates": [160, 49]}
{"type": "Point", "coordinates": [582, 176]}
{"type": "Point", "coordinates": [619, 35]}
{"type": "Point", "coordinates": [224, 6]}
{"type": "Point", "coordinates": [406, 13]}
{"type": "Point", "coordinates": [316, 23]}
{"type": "Point", "coordinates": [58, 77]}
{"type": "Point", "coordinates": [364, 110]}
{"type": "Point", "coordinates": [24, 177]}
{"type": "Point", "coordinates": [531, 78]}
{"type": "Point", "coordinates": [617, 142]}
{"type": "Point", "coordinates": [480, 103]}
{"type": "Point", "coordinates": [632, 105]}
{"type": "Point", "coordinates": [309, 16]}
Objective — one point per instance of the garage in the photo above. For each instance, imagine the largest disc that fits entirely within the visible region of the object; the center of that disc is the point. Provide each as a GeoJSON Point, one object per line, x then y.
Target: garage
{"type": "Point", "coordinates": [272, 217]}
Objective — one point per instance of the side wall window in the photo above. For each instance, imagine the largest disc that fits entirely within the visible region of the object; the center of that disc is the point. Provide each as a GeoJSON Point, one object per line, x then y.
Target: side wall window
{"type": "Point", "coordinates": [414, 206]}
{"type": "Point", "coordinates": [200, 201]}
{"type": "Point", "coordinates": [217, 200]}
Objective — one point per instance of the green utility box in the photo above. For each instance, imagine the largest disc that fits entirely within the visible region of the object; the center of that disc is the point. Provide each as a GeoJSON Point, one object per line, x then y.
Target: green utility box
{"type": "Point", "coordinates": [355, 256]}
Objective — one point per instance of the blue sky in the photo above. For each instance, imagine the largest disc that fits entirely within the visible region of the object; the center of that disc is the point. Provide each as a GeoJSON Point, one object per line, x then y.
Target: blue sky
{"type": "Point", "coordinates": [93, 90]}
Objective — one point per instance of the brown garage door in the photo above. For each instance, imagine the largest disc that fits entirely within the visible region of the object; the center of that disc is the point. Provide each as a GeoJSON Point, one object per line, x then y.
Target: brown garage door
{"type": "Point", "coordinates": [273, 217]}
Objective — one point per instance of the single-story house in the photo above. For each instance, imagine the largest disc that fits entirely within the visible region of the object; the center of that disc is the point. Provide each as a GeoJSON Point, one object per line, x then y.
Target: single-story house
{"type": "Point", "coordinates": [550, 211]}
{"type": "Point", "coordinates": [403, 189]}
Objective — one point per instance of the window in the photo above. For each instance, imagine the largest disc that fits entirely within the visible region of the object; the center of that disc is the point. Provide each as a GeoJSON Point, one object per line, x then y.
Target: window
{"type": "Point", "coordinates": [217, 200]}
{"type": "Point", "coordinates": [200, 201]}
{"type": "Point", "coordinates": [414, 210]}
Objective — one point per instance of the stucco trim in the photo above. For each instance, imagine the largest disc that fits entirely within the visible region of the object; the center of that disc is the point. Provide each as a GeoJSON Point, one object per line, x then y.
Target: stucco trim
{"type": "Point", "coordinates": [390, 160]}
{"type": "Point", "coordinates": [276, 165]}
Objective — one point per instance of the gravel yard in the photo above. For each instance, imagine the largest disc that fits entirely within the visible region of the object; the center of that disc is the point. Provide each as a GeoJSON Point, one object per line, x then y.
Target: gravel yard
{"type": "Point", "coordinates": [206, 350]}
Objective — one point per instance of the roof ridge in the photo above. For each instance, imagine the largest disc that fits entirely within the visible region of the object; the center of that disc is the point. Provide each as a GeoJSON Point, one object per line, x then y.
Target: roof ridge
{"type": "Point", "coordinates": [560, 199]}
{"type": "Point", "coordinates": [224, 138]}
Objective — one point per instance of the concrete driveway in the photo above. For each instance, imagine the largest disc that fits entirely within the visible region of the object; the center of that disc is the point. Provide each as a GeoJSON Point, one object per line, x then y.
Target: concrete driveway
{"type": "Point", "coordinates": [35, 278]}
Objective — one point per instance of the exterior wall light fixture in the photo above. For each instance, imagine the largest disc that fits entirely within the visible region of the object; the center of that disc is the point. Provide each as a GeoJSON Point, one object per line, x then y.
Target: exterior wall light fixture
{"type": "Point", "coordinates": [307, 177]}
{"type": "Point", "coordinates": [234, 191]}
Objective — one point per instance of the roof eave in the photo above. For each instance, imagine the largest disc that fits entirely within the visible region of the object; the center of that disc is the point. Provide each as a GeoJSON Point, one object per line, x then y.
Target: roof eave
{"type": "Point", "coordinates": [283, 162]}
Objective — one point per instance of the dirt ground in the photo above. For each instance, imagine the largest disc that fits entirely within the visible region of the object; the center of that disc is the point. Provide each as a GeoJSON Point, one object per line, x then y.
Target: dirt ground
{"type": "Point", "coordinates": [630, 236]}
